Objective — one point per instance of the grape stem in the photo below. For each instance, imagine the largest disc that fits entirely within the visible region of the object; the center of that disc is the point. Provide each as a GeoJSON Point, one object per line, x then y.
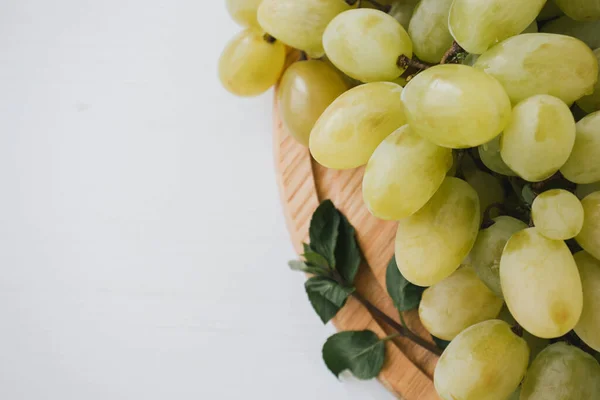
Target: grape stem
{"type": "Point", "coordinates": [451, 53]}
{"type": "Point", "coordinates": [517, 329]}
{"type": "Point", "coordinates": [268, 38]}
{"type": "Point", "coordinates": [405, 62]}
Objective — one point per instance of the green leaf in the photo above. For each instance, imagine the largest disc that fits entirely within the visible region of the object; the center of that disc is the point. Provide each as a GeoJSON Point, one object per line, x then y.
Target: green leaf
{"type": "Point", "coordinates": [441, 343]}
{"type": "Point", "coordinates": [361, 352]}
{"type": "Point", "coordinates": [307, 248]}
{"type": "Point", "coordinates": [297, 265]}
{"type": "Point", "coordinates": [326, 296]}
{"type": "Point", "coordinates": [405, 295]}
{"type": "Point", "coordinates": [323, 231]}
{"type": "Point", "coordinates": [315, 259]}
{"type": "Point", "coordinates": [347, 252]}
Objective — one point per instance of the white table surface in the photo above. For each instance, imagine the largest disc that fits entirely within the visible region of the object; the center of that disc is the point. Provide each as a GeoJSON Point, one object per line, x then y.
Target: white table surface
{"type": "Point", "coordinates": [142, 245]}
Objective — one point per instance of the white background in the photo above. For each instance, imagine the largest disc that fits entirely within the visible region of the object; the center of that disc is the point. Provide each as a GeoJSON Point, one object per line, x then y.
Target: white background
{"type": "Point", "coordinates": [142, 245]}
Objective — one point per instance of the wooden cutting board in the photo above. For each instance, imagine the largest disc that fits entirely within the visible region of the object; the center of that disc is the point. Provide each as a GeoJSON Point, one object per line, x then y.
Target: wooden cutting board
{"type": "Point", "coordinates": [303, 184]}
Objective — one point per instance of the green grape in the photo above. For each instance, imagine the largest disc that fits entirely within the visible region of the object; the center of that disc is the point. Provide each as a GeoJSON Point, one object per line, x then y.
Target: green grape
{"type": "Point", "coordinates": [470, 59]}
{"type": "Point", "coordinates": [532, 28]}
{"type": "Point", "coordinates": [539, 138]}
{"type": "Point", "coordinates": [557, 214]}
{"type": "Point", "coordinates": [456, 303]}
{"type": "Point", "coordinates": [586, 31]}
{"type": "Point", "coordinates": [306, 89]}
{"type": "Point", "coordinates": [402, 11]}
{"type": "Point", "coordinates": [349, 130]}
{"type": "Point", "coordinates": [536, 344]}
{"type": "Point", "coordinates": [542, 63]}
{"type": "Point", "coordinates": [432, 243]}
{"type": "Point", "coordinates": [580, 10]}
{"type": "Point", "coordinates": [516, 395]}
{"type": "Point", "coordinates": [250, 64]}
{"type": "Point", "coordinates": [488, 187]}
{"type": "Point", "coordinates": [589, 237]}
{"type": "Point", "coordinates": [243, 11]}
{"type": "Point", "coordinates": [588, 327]}
{"type": "Point", "coordinates": [540, 283]}
{"type": "Point", "coordinates": [550, 11]}
{"type": "Point", "coordinates": [486, 253]}
{"type": "Point", "coordinates": [591, 102]}
{"type": "Point", "coordinates": [582, 165]}
{"type": "Point", "coordinates": [455, 164]}
{"type": "Point", "coordinates": [490, 156]}
{"type": "Point", "coordinates": [562, 372]}
{"type": "Point", "coordinates": [403, 174]}
{"type": "Point", "coordinates": [484, 362]}
{"type": "Point", "coordinates": [456, 106]}
{"type": "Point", "coordinates": [581, 191]}
{"type": "Point", "coordinates": [428, 30]}
{"type": "Point", "coordinates": [300, 24]}
{"type": "Point", "coordinates": [478, 24]}
{"type": "Point", "coordinates": [365, 44]}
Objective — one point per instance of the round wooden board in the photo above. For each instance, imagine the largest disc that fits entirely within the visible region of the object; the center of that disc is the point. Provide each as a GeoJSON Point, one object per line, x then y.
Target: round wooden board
{"type": "Point", "coordinates": [303, 184]}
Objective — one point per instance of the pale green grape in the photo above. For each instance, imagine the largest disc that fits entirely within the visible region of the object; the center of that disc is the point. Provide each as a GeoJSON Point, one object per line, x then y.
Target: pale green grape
{"type": "Point", "coordinates": [516, 395]}
{"type": "Point", "coordinates": [542, 63]}
{"type": "Point", "coordinates": [478, 24]}
{"type": "Point", "coordinates": [588, 327]}
{"type": "Point", "coordinates": [539, 138]}
{"type": "Point", "coordinates": [589, 237]}
{"type": "Point", "coordinates": [250, 65]}
{"type": "Point", "coordinates": [456, 303]}
{"type": "Point", "coordinates": [349, 130]}
{"type": "Point", "coordinates": [582, 165]}
{"type": "Point", "coordinates": [365, 44]}
{"type": "Point", "coordinates": [591, 102]}
{"type": "Point", "coordinates": [583, 190]}
{"type": "Point", "coordinates": [432, 243]}
{"type": "Point", "coordinates": [536, 344]}
{"type": "Point", "coordinates": [484, 362]}
{"type": "Point", "coordinates": [586, 31]}
{"type": "Point", "coordinates": [456, 106]}
{"type": "Point", "coordinates": [490, 156]}
{"type": "Point", "coordinates": [243, 11]}
{"type": "Point", "coordinates": [470, 59]}
{"type": "Point", "coordinates": [532, 28]}
{"type": "Point", "coordinates": [487, 251]}
{"type": "Point", "coordinates": [581, 10]}
{"type": "Point", "coordinates": [562, 372]}
{"type": "Point", "coordinates": [403, 173]}
{"type": "Point", "coordinates": [557, 214]}
{"type": "Point", "coordinates": [402, 11]}
{"type": "Point", "coordinates": [300, 24]}
{"type": "Point", "coordinates": [306, 89]}
{"type": "Point", "coordinates": [455, 164]}
{"type": "Point", "coordinates": [541, 284]}
{"type": "Point", "coordinates": [428, 30]}
{"type": "Point", "coordinates": [488, 187]}
{"type": "Point", "coordinates": [549, 11]}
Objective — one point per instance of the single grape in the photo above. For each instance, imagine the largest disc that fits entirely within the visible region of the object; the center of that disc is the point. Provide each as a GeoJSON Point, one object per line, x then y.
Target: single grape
{"type": "Point", "coordinates": [562, 372]}
{"type": "Point", "coordinates": [541, 284]}
{"type": "Point", "coordinates": [365, 44]}
{"type": "Point", "coordinates": [588, 327]}
{"type": "Point", "coordinates": [586, 31]}
{"type": "Point", "coordinates": [589, 237]}
{"type": "Point", "coordinates": [581, 10]}
{"type": "Point", "coordinates": [487, 251]}
{"type": "Point", "coordinates": [515, 395]}
{"type": "Point", "coordinates": [432, 243]}
{"type": "Point", "coordinates": [582, 165]}
{"type": "Point", "coordinates": [456, 106]}
{"type": "Point", "coordinates": [243, 11]}
{"type": "Point", "coordinates": [488, 187]}
{"type": "Point", "coordinates": [300, 24]}
{"type": "Point", "coordinates": [251, 64]}
{"type": "Point", "coordinates": [539, 138]}
{"type": "Point", "coordinates": [557, 214]}
{"type": "Point", "coordinates": [542, 63]}
{"type": "Point", "coordinates": [490, 156]}
{"type": "Point", "coordinates": [478, 24]}
{"type": "Point", "coordinates": [428, 30]}
{"type": "Point", "coordinates": [536, 344]}
{"type": "Point", "coordinates": [349, 130]}
{"type": "Point", "coordinates": [306, 89]}
{"type": "Point", "coordinates": [550, 11]}
{"type": "Point", "coordinates": [581, 191]}
{"type": "Point", "coordinates": [403, 174]}
{"type": "Point", "coordinates": [403, 11]}
{"type": "Point", "coordinates": [591, 102]}
{"type": "Point", "coordinates": [484, 362]}
{"type": "Point", "coordinates": [532, 28]}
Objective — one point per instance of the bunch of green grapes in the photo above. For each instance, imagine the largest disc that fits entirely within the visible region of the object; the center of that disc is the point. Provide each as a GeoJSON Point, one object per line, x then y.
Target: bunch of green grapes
{"type": "Point", "coordinates": [477, 123]}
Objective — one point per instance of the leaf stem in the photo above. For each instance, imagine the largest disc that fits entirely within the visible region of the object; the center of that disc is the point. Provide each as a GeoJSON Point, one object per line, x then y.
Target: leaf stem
{"type": "Point", "coordinates": [390, 337]}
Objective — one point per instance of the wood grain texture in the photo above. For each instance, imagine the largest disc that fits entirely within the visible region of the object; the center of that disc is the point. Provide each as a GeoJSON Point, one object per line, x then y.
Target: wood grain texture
{"type": "Point", "coordinates": [303, 184]}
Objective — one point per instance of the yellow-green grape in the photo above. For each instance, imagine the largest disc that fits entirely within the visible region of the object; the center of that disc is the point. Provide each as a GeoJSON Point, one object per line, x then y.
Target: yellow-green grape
{"type": "Point", "coordinates": [455, 164]}
{"type": "Point", "coordinates": [583, 165]}
{"type": "Point", "coordinates": [562, 372]}
{"type": "Point", "coordinates": [432, 243]}
{"type": "Point", "coordinates": [300, 24]}
{"type": "Point", "coordinates": [541, 284]}
{"type": "Point", "coordinates": [550, 11]}
{"type": "Point", "coordinates": [490, 156]}
{"type": "Point", "coordinates": [428, 30]}
{"type": "Point", "coordinates": [456, 106]}
{"type": "Point", "coordinates": [580, 10]}
{"type": "Point", "coordinates": [589, 237]}
{"type": "Point", "coordinates": [542, 63]}
{"type": "Point", "coordinates": [484, 362]}
{"type": "Point", "coordinates": [243, 11]}
{"type": "Point", "coordinates": [536, 344]}
{"type": "Point", "coordinates": [349, 130]}
{"type": "Point", "coordinates": [591, 102]}
{"type": "Point", "coordinates": [403, 173]}
{"type": "Point", "coordinates": [365, 44]}
{"type": "Point", "coordinates": [488, 187]}
{"type": "Point", "coordinates": [470, 59]}
{"type": "Point", "coordinates": [557, 214]}
{"type": "Point", "coordinates": [478, 24]}
{"type": "Point", "coordinates": [251, 64]}
{"type": "Point", "coordinates": [588, 327]}
{"type": "Point", "coordinates": [539, 138]}
{"type": "Point", "coordinates": [306, 89]}
{"type": "Point", "coordinates": [581, 191]}
{"type": "Point", "coordinates": [456, 303]}
{"type": "Point", "coordinates": [402, 11]}
{"type": "Point", "coordinates": [487, 251]}
{"type": "Point", "coordinates": [532, 28]}
{"type": "Point", "coordinates": [586, 31]}
{"type": "Point", "coordinates": [516, 395]}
